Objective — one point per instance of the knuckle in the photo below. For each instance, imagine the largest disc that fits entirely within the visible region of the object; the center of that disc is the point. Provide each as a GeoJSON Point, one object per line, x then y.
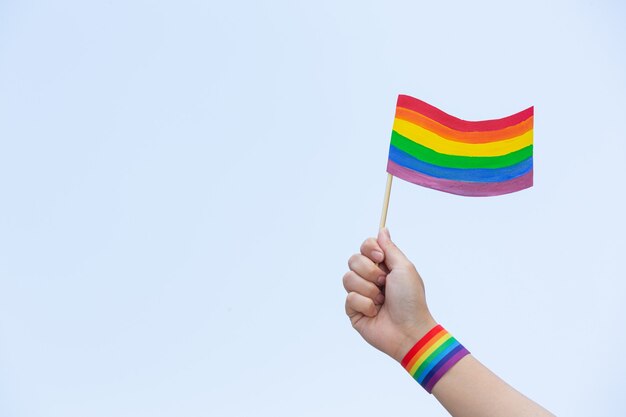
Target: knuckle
{"type": "Point", "coordinates": [367, 243]}
{"type": "Point", "coordinates": [348, 305]}
{"type": "Point", "coordinates": [371, 309]}
{"type": "Point", "coordinates": [374, 291]}
{"type": "Point", "coordinates": [374, 271]}
{"type": "Point", "coordinates": [346, 279]}
{"type": "Point", "coordinates": [352, 261]}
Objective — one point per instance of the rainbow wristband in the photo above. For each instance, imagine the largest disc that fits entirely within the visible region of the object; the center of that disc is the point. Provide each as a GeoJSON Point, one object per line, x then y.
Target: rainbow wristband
{"type": "Point", "coordinates": [432, 356]}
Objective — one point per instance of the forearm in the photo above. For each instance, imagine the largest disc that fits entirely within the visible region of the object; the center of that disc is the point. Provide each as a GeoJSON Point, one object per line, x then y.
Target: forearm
{"type": "Point", "coordinates": [469, 389]}
{"type": "Point", "coordinates": [386, 304]}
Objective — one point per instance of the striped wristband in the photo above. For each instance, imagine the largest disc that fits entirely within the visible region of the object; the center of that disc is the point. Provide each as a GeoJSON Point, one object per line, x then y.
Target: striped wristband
{"type": "Point", "coordinates": [432, 356]}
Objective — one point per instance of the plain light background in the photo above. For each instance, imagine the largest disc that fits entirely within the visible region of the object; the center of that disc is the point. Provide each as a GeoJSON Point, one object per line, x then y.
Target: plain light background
{"type": "Point", "coordinates": [182, 183]}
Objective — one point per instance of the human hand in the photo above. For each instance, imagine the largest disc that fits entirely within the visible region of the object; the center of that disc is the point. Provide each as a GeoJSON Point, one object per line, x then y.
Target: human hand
{"type": "Point", "coordinates": [386, 302]}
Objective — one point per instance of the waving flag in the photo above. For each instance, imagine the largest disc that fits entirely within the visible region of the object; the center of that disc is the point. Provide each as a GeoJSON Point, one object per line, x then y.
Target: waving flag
{"type": "Point", "coordinates": [478, 158]}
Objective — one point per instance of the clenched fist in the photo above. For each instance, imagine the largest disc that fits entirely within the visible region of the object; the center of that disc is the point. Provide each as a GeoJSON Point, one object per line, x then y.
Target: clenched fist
{"type": "Point", "coordinates": [386, 301]}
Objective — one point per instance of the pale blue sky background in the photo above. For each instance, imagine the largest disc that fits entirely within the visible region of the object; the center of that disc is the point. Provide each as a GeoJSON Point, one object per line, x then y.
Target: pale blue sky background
{"type": "Point", "coordinates": [182, 182]}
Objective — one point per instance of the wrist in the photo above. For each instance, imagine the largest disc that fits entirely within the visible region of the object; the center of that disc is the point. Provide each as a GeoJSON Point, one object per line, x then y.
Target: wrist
{"type": "Point", "coordinates": [410, 337]}
{"type": "Point", "coordinates": [433, 356]}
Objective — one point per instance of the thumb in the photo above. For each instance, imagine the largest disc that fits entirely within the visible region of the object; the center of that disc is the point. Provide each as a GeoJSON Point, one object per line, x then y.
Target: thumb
{"type": "Point", "coordinates": [393, 256]}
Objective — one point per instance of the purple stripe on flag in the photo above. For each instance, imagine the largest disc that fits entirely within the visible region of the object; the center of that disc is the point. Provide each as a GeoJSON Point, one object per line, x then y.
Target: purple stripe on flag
{"type": "Point", "coordinates": [471, 189]}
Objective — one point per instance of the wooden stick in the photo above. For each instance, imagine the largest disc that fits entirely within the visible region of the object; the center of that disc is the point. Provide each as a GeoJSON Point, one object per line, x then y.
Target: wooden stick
{"type": "Point", "coordinates": [383, 217]}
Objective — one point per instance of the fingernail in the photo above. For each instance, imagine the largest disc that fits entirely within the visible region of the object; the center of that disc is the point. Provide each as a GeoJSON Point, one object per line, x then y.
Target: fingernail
{"type": "Point", "coordinates": [377, 256]}
{"type": "Point", "coordinates": [380, 298]}
{"type": "Point", "coordinates": [381, 280]}
{"type": "Point", "coordinates": [386, 233]}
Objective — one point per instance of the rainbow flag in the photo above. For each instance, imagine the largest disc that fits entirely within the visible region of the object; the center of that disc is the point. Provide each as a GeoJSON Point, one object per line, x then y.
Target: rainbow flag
{"type": "Point", "coordinates": [482, 158]}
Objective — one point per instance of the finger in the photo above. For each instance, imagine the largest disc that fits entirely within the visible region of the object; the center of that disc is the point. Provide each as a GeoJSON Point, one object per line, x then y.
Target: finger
{"type": "Point", "coordinates": [383, 267]}
{"type": "Point", "coordinates": [372, 250]}
{"type": "Point", "coordinates": [358, 304]}
{"type": "Point", "coordinates": [393, 256]}
{"type": "Point", "coordinates": [354, 283]}
{"type": "Point", "coordinates": [364, 267]}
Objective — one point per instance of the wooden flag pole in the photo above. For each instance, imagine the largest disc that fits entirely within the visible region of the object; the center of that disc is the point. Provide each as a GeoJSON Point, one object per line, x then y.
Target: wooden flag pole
{"type": "Point", "coordinates": [383, 217]}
